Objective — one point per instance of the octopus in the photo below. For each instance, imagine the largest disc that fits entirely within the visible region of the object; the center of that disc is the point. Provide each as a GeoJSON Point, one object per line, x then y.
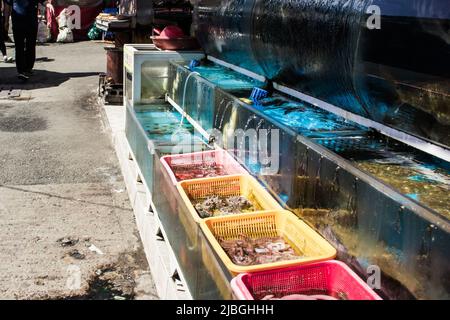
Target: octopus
{"type": "Point", "coordinates": [198, 171]}
{"type": "Point", "coordinates": [247, 252]}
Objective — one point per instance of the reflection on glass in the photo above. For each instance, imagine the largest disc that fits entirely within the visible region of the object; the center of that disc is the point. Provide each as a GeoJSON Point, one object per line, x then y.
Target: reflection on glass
{"type": "Point", "coordinates": [395, 72]}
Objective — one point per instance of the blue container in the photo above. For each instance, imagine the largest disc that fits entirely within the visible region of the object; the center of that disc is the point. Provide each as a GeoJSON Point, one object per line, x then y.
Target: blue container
{"type": "Point", "coordinates": [194, 64]}
{"type": "Point", "coordinates": [258, 94]}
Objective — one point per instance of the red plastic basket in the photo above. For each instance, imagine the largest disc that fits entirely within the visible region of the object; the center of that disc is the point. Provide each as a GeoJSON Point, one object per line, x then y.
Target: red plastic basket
{"type": "Point", "coordinates": [219, 157]}
{"type": "Point", "coordinates": [331, 278]}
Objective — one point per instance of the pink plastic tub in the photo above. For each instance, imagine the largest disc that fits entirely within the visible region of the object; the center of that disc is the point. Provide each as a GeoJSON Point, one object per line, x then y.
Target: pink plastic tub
{"type": "Point", "coordinates": [190, 164]}
{"type": "Point", "coordinates": [331, 278]}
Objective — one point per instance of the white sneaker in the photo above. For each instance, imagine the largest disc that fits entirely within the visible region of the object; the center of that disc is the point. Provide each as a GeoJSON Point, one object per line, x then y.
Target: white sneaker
{"type": "Point", "coordinates": [7, 59]}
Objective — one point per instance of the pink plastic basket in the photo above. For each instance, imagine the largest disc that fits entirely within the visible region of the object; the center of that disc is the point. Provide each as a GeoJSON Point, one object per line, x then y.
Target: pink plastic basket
{"type": "Point", "coordinates": [219, 157]}
{"type": "Point", "coordinates": [331, 278]}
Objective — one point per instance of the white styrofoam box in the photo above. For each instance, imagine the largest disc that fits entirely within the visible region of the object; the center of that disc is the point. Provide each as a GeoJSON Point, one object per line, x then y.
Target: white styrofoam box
{"type": "Point", "coordinates": [146, 71]}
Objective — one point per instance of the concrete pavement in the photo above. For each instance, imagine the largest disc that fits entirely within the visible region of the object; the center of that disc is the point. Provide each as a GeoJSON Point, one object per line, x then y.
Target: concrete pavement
{"type": "Point", "coordinates": [66, 226]}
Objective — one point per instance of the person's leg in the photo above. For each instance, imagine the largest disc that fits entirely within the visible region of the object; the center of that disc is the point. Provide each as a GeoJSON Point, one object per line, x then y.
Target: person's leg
{"type": "Point", "coordinates": [30, 44]}
{"type": "Point", "coordinates": [19, 32]}
{"type": "Point", "coordinates": [2, 47]}
{"type": "Point", "coordinates": [6, 17]}
{"type": "Point", "coordinates": [2, 38]}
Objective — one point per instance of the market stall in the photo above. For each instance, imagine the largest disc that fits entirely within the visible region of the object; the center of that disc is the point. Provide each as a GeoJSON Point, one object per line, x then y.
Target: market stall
{"type": "Point", "coordinates": [263, 191]}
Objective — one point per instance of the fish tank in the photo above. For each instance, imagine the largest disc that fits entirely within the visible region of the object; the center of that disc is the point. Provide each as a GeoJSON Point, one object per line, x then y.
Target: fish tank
{"type": "Point", "coordinates": [379, 59]}
{"type": "Point", "coordinates": [158, 127]}
{"type": "Point", "coordinates": [379, 202]}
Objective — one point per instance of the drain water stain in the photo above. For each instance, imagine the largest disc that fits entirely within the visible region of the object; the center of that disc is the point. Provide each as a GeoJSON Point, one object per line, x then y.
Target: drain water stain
{"type": "Point", "coordinates": [22, 124]}
{"type": "Point", "coordinates": [108, 285]}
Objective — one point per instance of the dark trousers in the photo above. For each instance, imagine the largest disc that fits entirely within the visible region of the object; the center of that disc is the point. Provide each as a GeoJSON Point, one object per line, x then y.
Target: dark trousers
{"type": "Point", "coordinates": [2, 37]}
{"type": "Point", "coordinates": [25, 33]}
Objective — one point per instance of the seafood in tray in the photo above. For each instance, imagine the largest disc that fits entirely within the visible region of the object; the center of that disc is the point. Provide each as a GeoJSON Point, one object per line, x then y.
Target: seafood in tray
{"type": "Point", "coordinates": [197, 171]}
{"type": "Point", "coordinates": [246, 251]}
{"type": "Point", "coordinates": [222, 206]}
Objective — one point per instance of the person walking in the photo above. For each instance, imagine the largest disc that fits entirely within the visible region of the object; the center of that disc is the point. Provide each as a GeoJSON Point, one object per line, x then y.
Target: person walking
{"type": "Point", "coordinates": [25, 27]}
{"type": "Point", "coordinates": [3, 36]}
{"type": "Point", "coordinates": [6, 10]}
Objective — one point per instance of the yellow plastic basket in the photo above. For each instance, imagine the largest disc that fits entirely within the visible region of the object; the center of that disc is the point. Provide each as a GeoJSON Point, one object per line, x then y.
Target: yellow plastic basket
{"type": "Point", "coordinates": [237, 185]}
{"type": "Point", "coordinates": [303, 239]}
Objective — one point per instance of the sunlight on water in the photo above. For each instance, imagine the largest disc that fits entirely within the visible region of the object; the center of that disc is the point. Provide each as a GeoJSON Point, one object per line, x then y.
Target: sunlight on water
{"type": "Point", "coordinates": [306, 119]}
{"type": "Point", "coordinates": [164, 126]}
{"type": "Point", "coordinates": [426, 184]}
{"type": "Point", "coordinates": [226, 79]}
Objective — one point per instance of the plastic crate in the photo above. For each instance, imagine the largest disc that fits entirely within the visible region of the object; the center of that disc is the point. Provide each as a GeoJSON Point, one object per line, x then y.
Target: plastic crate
{"type": "Point", "coordinates": [237, 185]}
{"type": "Point", "coordinates": [219, 157]}
{"type": "Point", "coordinates": [332, 278]}
{"type": "Point", "coordinates": [281, 223]}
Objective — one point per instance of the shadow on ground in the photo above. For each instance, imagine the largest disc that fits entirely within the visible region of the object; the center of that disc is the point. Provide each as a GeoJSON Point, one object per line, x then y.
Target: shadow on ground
{"type": "Point", "coordinates": [40, 79]}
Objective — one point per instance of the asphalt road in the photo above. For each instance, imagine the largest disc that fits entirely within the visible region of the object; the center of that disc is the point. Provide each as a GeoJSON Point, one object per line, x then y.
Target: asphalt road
{"type": "Point", "coordinates": [61, 190]}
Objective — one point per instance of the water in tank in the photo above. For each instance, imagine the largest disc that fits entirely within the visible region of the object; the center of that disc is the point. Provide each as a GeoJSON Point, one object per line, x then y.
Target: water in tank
{"type": "Point", "coordinates": [386, 60]}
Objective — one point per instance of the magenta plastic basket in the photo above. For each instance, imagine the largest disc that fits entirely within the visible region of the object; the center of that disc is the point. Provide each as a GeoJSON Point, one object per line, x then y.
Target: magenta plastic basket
{"type": "Point", "coordinates": [332, 278]}
{"type": "Point", "coordinates": [220, 157]}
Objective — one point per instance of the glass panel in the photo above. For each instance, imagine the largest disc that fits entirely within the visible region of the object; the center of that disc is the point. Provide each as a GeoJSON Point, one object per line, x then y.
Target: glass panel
{"type": "Point", "coordinates": [206, 277]}
{"type": "Point", "coordinates": [367, 221]}
{"type": "Point", "coordinates": [391, 70]}
{"type": "Point", "coordinates": [154, 79]}
{"type": "Point", "coordinates": [162, 128]}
